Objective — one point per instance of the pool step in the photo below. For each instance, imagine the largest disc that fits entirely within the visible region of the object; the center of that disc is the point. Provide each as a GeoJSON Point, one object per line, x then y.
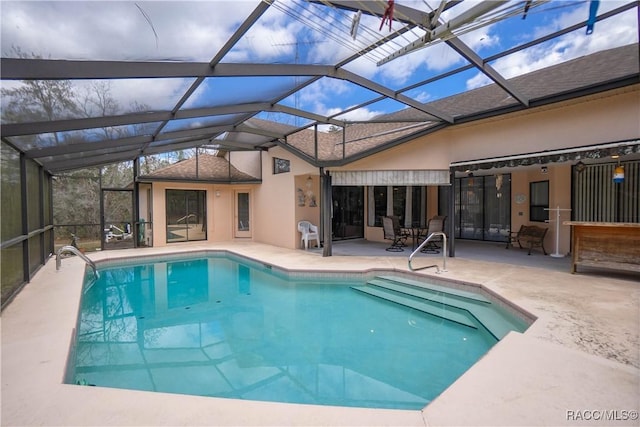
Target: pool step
{"type": "Point", "coordinates": [429, 288]}
{"type": "Point", "coordinates": [476, 306]}
{"type": "Point", "coordinates": [425, 306]}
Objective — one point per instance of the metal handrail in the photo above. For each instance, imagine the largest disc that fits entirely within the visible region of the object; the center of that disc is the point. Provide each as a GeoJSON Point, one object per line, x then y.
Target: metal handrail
{"type": "Point", "coordinates": [444, 253]}
{"type": "Point", "coordinates": [75, 250]}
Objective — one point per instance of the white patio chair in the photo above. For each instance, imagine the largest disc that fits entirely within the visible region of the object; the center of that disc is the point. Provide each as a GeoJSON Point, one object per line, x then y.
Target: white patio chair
{"type": "Point", "coordinates": [309, 232]}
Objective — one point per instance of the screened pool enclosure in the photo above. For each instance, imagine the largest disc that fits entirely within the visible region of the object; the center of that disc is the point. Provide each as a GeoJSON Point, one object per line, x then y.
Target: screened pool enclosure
{"type": "Point", "coordinates": [99, 96]}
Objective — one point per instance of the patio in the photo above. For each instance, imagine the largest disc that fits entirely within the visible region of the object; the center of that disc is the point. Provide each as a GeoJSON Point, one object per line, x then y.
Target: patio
{"type": "Point", "coordinates": [467, 249]}
{"type": "Point", "coordinates": [580, 355]}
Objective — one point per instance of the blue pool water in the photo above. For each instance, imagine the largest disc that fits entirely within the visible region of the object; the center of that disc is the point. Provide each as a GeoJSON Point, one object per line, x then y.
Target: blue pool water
{"type": "Point", "coordinates": [227, 327]}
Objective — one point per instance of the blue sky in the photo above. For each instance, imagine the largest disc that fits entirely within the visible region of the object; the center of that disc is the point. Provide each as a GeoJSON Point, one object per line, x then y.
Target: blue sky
{"type": "Point", "coordinates": [194, 31]}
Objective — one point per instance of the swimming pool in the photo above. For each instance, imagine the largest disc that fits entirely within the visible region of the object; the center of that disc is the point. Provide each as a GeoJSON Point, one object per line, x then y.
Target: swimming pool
{"type": "Point", "coordinates": [225, 326]}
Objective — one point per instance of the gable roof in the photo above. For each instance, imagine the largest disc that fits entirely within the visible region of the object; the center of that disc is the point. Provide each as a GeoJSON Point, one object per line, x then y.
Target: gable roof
{"type": "Point", "coordinates": [203, 167]}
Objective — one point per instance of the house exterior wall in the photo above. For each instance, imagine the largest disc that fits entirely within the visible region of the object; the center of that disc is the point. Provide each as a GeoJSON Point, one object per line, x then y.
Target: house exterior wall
{"type": "Point", "coordinates": [220, 209]}
{"type": "Point", "coordinates": [606, 117]}
{"type": "Point", "coordinates": [276, 207]}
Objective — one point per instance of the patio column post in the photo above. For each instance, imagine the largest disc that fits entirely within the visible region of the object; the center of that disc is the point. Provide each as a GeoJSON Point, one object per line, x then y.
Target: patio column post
{"type": "Point", "coordinates": [451, 240]}
{"type": "Point", "coordinates": [326, 207]}
{"type": "Point", "coordinates": [136, 200]}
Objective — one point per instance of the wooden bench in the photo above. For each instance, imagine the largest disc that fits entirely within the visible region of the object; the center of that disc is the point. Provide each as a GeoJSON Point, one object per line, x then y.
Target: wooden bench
{"type": "Point", "coordinates": [528, 236]}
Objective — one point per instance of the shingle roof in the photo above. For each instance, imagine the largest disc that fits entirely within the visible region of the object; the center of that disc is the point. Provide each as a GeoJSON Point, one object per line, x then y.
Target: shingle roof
{"type": "Point", "coordinates": [209, 167]}
{"type": "Point", "coordinates": [570, 75]}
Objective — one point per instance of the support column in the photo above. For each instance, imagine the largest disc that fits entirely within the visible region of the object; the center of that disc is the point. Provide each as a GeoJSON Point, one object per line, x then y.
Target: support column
{"type": "Point", "coordinates": [325, 213]}
{"type": "Point", "coordinates": [451, 224]}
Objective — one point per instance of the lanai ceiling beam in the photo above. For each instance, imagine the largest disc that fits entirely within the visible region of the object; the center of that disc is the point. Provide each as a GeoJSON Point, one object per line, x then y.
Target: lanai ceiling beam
{"type": "Point", "coordinates": [237, 35]}
{"type": "Point", "coordinates": [61, 150]}
{"type": "Point", "coordinates": [467, 53]}
{"type": "Point", "coordinates": [56, 69]}
{"type": "Point", "coordinates": [436, 29]}
{"type": "Point", "coordinates": [425, 21]}
{"type": "Point", "coordinates": [34, 128]}
{"type": "Point", "coordinates": [383, 90]}
{"type": "Point", "coordinates": [90, 161]}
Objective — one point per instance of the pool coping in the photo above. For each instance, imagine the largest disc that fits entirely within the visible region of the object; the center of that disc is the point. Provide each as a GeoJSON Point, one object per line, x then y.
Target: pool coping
{"type": "Point", "coordinates": [37, 328]}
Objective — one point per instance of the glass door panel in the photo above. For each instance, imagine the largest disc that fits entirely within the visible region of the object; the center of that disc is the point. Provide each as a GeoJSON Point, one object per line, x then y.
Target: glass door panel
{"type": "Point", "coordinates": [243, 214]}
{"type": "Point", "coordinates": [348, 212]}
{"type": "Point", "coordinates": [483, 207]}
{"type": "Point", "coordinates": [186, 215]}
{"type": "Point", "coordinates": [471, 208]}
{"type": "Point", "coordinates": [497, 207]}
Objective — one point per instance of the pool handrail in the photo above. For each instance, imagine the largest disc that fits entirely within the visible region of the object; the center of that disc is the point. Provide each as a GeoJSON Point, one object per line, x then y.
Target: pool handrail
{"type": "Point", "coordinates": [75, 251]}
{"type": "Point", "coordinates": [444, 253]}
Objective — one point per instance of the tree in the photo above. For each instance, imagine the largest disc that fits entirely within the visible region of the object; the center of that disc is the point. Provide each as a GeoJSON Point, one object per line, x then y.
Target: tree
{"type": "Point", "coordinates": [39, 100]}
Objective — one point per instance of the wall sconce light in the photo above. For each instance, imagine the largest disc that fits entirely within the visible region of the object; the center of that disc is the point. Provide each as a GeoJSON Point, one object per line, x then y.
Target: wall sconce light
{"type": "Point", "coordinates": [579, 166]}
{"type": "Point", "coordinates": [217, 193]}
{"type": "Point", "coordinates": [309, 183]}
{"type": "Point", "coordinates": [544, 169]}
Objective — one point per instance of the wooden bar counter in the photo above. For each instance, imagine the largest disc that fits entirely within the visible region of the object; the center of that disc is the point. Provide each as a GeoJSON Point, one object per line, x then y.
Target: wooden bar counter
{"type": "Point", "coordinates": [613, 245]}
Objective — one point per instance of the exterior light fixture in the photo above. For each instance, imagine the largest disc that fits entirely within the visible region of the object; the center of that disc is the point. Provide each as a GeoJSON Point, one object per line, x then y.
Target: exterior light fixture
{"type": "Point", "coordinates": [544, 169]}
{"type": "Point", "coordinates": [217, 193]}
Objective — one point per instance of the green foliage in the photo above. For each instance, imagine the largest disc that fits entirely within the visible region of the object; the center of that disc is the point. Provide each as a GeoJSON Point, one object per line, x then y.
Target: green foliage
{"type": "Point", "coordinates": [77, 194]}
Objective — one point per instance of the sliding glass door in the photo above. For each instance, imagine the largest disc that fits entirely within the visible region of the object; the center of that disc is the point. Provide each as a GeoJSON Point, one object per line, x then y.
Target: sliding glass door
{"type": "Point", "coordinates": [186, 215]}
{"type": "Point", "coordinates": [483, 207]}
{"type": "Point", "coordinates": [348, 212]}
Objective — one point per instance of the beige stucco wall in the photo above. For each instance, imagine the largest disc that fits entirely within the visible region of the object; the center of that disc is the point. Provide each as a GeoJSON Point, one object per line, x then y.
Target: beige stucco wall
{"type": "Point", "coordinates": [220, 209]}
{"type": "Point", "coordinates": [276, 209]}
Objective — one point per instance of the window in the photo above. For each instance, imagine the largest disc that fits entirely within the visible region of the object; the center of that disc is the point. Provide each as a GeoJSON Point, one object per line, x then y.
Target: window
{"type": "Point", "coordinates": [539, 201]}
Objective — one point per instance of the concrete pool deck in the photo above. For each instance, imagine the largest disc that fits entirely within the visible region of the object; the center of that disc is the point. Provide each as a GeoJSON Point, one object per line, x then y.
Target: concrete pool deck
{"type": "Point", "coordinates": [578, 364]}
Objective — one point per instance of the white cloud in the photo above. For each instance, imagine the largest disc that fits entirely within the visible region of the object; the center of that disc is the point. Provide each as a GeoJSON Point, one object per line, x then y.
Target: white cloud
{"type": "Point", "coordinates": [617, 31]}
{"type": "Point", "coordinates": [119, 30]}
{"type": "Point", "coordinates": [356, 115]}
{"type": "Point", "coordinates": [321, 96]}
